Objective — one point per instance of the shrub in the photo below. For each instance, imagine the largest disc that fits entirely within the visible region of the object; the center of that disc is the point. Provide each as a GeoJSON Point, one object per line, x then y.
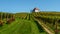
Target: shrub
{"type": "Point", "coordinates": [9, 21]}
{"type": "Point", "coordinates": [1, 23]}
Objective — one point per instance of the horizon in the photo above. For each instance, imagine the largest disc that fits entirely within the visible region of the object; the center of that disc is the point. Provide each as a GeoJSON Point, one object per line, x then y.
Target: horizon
{"type": "Point", "coordinates": [16, 6]}
{"type": "Point", "coordinates": [29, 12]}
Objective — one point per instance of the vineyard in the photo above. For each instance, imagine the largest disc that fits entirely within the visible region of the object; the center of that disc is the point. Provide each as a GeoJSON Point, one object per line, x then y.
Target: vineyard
{"type": "Point", "coordinates": [50, 19]}
{"type": "Point", "coordinates": [30, 23]}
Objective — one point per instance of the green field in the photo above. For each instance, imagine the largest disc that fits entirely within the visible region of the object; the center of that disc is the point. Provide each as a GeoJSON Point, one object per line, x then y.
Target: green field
{"type": "Point", "coordinates": [21, 26]}
{"type": "Point", "coordinates": [25, 23]}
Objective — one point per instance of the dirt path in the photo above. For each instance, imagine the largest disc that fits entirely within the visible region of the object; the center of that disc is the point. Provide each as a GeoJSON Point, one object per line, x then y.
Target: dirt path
{"type": "Point", "coordinates": [45, 27]}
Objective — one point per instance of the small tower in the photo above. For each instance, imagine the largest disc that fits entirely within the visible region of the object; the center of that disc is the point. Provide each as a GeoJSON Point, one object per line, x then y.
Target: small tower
{"type": "Point", "coordinates": [35, 10]}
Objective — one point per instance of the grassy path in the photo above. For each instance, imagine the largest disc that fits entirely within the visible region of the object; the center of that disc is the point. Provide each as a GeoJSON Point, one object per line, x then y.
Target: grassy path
{"type": "Point", "coordinates": [20, 26]}
{"type": "Point", "coordinates": [9, 27]}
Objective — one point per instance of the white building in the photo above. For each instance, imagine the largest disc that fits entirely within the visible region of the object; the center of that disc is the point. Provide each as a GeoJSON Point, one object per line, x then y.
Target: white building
{"type": "Point", "coordinates": [35, 10]}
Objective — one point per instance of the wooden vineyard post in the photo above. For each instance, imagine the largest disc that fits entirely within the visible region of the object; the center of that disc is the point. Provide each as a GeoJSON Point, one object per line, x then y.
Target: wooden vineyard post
{"type": "Point", "coordinates": [1, 16]}
{"type": "Point", "coordinates": [12, 17]}
{"type": "Point", "coordinates": [8, 22]}
{"type": "Point", "coordinates": [7, 16]}
{"type": "Point", "coordinates": [56, 28]}
{"type": "Point", "coordinates": [1, 22]}
{"type": "Point", "coordinates": [4, 15]}
{"type": "Point", "coordinates": [29, 16]}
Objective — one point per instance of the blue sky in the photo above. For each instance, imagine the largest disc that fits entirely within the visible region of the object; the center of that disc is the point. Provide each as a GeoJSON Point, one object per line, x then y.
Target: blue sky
{"type": "Point", "coordinates": [27, 5]}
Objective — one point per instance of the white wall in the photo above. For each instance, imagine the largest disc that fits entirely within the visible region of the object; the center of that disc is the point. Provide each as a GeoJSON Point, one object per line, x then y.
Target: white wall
{"type": "Point", "coordinates": [36, 10]}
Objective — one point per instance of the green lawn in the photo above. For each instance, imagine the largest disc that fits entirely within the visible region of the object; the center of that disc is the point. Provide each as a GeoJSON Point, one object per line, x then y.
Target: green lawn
{"type": "Point", "coordinates": [21, 26]}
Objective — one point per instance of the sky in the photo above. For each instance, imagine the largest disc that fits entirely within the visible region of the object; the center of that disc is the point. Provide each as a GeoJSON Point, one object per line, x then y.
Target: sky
{"type": "Point", "coordinates": [14, 6]}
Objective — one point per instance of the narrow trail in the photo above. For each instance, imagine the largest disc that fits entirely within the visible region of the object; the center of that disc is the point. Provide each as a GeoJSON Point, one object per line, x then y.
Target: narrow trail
{"type": "Point", "coordinates": [44, 27]}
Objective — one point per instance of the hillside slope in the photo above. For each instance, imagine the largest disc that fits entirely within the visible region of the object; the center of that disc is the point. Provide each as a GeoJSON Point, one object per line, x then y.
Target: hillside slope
{"type": "Point", "coordinates": [20, 26]}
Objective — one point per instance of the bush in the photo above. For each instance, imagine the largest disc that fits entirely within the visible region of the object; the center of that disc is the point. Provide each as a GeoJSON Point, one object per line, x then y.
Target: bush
{"type": "Point", "coordinates": [10, 20]}
{"type": "Point", "coordinates": [1, 23]}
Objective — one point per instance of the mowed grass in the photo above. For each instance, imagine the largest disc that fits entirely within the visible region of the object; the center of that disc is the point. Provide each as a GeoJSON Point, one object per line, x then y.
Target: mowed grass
{"type": "Point", "coordinates": [20, 26]}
